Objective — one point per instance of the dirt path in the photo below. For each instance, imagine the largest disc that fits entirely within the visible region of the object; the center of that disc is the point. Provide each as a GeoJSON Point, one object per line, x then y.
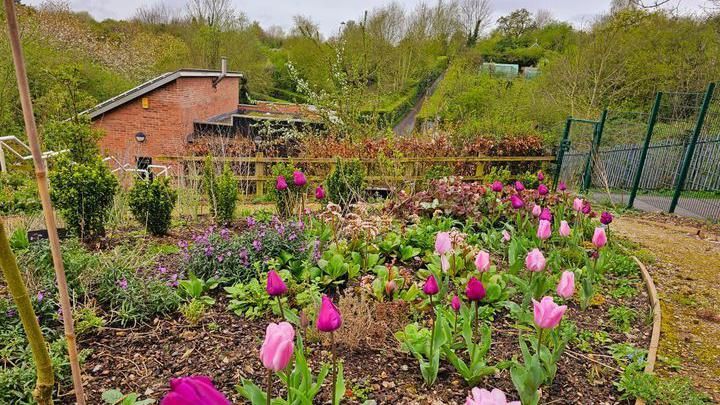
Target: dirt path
{"type": "Point", "coordinates": [687, 275]}
{"type": "Point", "coordinates": [407, 124]}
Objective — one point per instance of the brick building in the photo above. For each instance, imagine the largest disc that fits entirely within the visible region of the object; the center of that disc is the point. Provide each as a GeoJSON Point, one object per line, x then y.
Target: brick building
{"type": "Point", "coordinates": [157, 118]}
{"type": "Point", "coordinates": [165, 115]}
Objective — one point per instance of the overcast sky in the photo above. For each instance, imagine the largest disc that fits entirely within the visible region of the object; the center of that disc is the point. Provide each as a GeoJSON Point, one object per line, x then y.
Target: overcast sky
{"type": "Point", "coordinates": [329, 13]}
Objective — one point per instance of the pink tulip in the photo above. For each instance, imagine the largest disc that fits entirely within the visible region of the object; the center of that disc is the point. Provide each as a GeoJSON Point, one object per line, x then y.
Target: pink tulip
{"type": "Point", "coordinates": [275, 285]}
{"type": "Point", "coordinates": [455, 303]}
{"type": "Point", "coordinates": [564, 229]}
{"type": "Point", "coordinates": [281, 184]}
{"type": "Point", "coordinates": [475, 290]}
{"type": "Point", "coordinates": [320, 193]}
{"type": "Point", "coordinates": [277, 349]}
{"type": "Point", "coordinates": [193, 390]}
{"type": "Point", "coordinates": [481, 396]}
{"type": "Point", "coordinates": [496, 186]}
{"type": "Point", "coordinates": [566, 286]}
{"type": "Point", "coordinates": [299, 178]}
{"type": "Point", "coordinates": [519, 186]}
{"type": "Point", "coordinates": [535, 261]}
{"type": "Point", "coordinates": [516, 202]}
{"type": "Point", "coordinates": [329, 318]}
{"type": "Point", "coordinates": [536, 210]}
{"type": "Point", "coordinates": [443, 244]}
{"type": "Point", "coordinates": [599, 238]}
{"type": "Point", "coordinates": [482, 261]}
{"type": "Point", "coordinates": [390, 287]}
{"type": "Point", "coordinates": [544, 230]}
{"type": "Point", "coordinates": [540, 175]}
{"type": "Point", "coordinates": [506, 235]}
{"type": "Point", "coordinates": [543, 190]}
{"type": "Point", "coordinates": [587, 208]}
{"type": "Point", "coordinates": [578, 204]}
{"type": "Point", "coordinates": [431, 286]}
{"type": "Point", "coordinates": [547, 313]}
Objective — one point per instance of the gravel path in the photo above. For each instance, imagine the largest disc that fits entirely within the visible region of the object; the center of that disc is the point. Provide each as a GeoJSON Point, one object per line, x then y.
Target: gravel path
{"type": "Point", "coordinates": [687, 274]}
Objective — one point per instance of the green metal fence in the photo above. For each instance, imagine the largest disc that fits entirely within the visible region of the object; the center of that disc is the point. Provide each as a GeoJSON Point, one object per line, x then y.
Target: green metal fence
{"type": "Point", "coordinates": [666, 159]}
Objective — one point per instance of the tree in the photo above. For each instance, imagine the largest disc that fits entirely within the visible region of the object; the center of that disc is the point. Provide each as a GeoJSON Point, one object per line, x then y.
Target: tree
{"type": "Point", "coordinates": [218, 14]}
{"type": "Point", "coordinates": [158, 13]}
{"type": "Point", "coordinates": [516, 23]}
{"type": "Point", "coordinates": [475, 16]}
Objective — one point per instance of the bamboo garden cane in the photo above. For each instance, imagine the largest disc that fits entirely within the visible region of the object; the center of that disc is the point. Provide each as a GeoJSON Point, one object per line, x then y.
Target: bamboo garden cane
{"type": "Point", "coordinates": [41, 176]}
{"type": "Point", "coordinates": [43, 366]}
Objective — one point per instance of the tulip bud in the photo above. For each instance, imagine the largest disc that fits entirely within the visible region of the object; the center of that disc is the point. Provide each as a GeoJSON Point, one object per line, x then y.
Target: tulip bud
{"type": "Point", "coordinates": [562, 186]}
{"type": "Point", "coordinates": [599, 238]}
{"type": "Point", "coordinates": [497, 186]}
{"type": "Point", "coordinates": [546, 214]}
{"type": "Point", "coordinates": [475, 291]}
{"type": "Point", "coordinates": [606, 218]}
{"type": "Point", "coordinates": [443, 244]}
{"type": "Point", "coordinates": [578, 204]}
{"type": "Point", "coordinates": [390, 287]}
{"type": "Point", "coordinates": [544, 230]}
{"type": "Point", "coordinates": [455, 303]}
{"type": "Point", "coordinates": [506, 235]}
{"type": "Point", "coordinates": [194, 390]}
{"type": "Point", "coordinates": [276, 351]}
{"type": "Point", "coordinates": [535, 261]}
{"type": "Point", "coordinates": [329, 318]}
{"type": "Point", "coordinates": [299, 178]}
{"type": "Point", "coordinates": [540, 175]}
{"type": "Point", "coordinates": [320, 193]}
{"type": "Point", "coordinates": [566, 286]}
{"type": "Point", "coordinates": [543, 190]}
{"type": "Point", "coordinates": [519, 186]}
{"type": "Point", "coordinates": [431, 286]}
{"type": "Point", "coordinates": [275, 285]}
{"type": "Point", "coordinates": [587, 208]}
{"type": "Point", "coordinates": [564, 229]}
{"type": "Point", "coordinates": [547, 314]}
{"type": "Point", "coordinates": [482, 261]}
{"type": "Point", "coordinates": [536, 210]}
{"type": "Point", "coordinates": [281, 184]}
{"type": "Point", "coordinates": [516, 202]}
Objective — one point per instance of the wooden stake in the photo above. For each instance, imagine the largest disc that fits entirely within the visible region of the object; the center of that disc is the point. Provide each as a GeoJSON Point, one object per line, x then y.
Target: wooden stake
{"type": "Point", "coordinates": [41, 176]}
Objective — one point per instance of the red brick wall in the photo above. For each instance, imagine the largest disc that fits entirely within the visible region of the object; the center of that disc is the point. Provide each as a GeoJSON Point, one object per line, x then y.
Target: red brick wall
{"type": "Point", "coordinates": [168, 120]}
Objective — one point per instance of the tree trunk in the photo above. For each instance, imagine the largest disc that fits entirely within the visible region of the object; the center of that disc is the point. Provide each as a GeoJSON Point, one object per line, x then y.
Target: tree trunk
{"type": "Point", "coordinates": [16, 285]}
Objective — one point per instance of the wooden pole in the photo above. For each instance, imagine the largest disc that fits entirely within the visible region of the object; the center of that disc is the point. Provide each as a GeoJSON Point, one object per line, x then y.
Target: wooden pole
{"type": "Point", "coordinates": [41, 176]}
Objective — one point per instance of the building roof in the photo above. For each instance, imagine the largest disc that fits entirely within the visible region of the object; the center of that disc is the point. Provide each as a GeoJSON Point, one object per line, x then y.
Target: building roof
{"type": "Point", "coordinates": [151, 85]}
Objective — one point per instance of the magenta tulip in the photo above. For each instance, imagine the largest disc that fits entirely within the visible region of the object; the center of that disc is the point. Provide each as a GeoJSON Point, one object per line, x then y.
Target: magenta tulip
{"type": "Point", "coordinates": [506, 235]}
{"type": "Point", "coordinates": [277, 349]}
{"type": "Point", "coordinates": [431, 286]}
{"type": "Point", "coordinates": [193, 390]}
{"type": "Point", "coordinates": [543, 190]}
{"type": "Point", "coordinates": [299, 178]}
{"type": "Point", "coordinates": [544, 230]}
{"type": "Point", "coordinates": [535, 261]}
{"type": "Point", "coordinates": [281, 184]}
{"type": "Point", "coordinates": [475, 290]}
{"type": "Point", "coordinates": [536, 210]}
{"type": "Point", "coordinates": [516, 202]}
{"type": "Point", "coordinates": [606, 218]}
{"type": "Point", "coordinates": [519, 186]}
{"type": "Point", "coordinates": [443, 244]}
{"type": "Point", "coordinates": [320, 193]}
{"type": "Point", "coordinates": [578, 204]}
{"type": "Point", "coordinates": [455, 303]}
{"type": "Point", "coordinates": [497, 186]}
{"type": "Point", "coordinates": [546, 214]}
{"type": "Point", "coordinates": [329, 318]}
{"type": "Point", "coordinates": [275, 285]}
{"type": "Point", "coordinates": [482, 261]}
{"type": "Point", "coordinates": [587, 208]}
{"type": "Point", "coordinates": [482, 396]}
{"type": "Point", "coordinates": [540, 176]}
{"type": "Point", "coordinates": [566, 286]}
{"type": "Point", "coordinates": [547, 314]}
{"type": "Point", "coordinates": [564, 229]}
{"type": "Point", "coordinates": [562, 186]}
{"type": "Point", "coordinates": [599, 238]}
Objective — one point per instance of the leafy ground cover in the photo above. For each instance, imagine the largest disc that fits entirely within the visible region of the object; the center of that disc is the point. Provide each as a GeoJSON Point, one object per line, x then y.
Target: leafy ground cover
{"type": "Point", "coordinates": [436, 293]}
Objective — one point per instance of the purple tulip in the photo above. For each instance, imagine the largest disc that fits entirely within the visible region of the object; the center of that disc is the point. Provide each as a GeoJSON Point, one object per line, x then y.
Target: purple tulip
{"type": "Point", "coordinates": [193, 390]}
{"type": "Point", "coordinates": [455, 303]}
{"type": "Point", "coordinates": [497, 186]}
{"type": "Point", "coordinates": [606, 218]}
{"type": "Point", "coordinates": [540, 176]}
{"type": "Point", "coordinates": [329, 318]}
{"type": "Point", "coordinates": [275, 285]}
{"type": "Point", "coordinates": [562, 186]}
{"type": "Point", "coordinates": [519, 186]}
{"type": "Point", "coordinates": [299, 178]}
{"type": "Point", "coordinates": [431, 286]}
{"type": "Point", "coordinates": [319, 193]}
{"type": "Point", "coordinates": [281, 183]}
{"type": "Point", "coordinates": [543, 190]}
{"type": "Point", "coordinates": [475, 290]}
{"type": "Point", "coordinates": [516, 202]}
{"type": "Point", "coordinates": [587, 208]}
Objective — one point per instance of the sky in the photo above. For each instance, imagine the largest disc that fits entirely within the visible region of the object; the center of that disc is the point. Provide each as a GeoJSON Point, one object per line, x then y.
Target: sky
{"type": "Point", "coordinates": [330, 13]}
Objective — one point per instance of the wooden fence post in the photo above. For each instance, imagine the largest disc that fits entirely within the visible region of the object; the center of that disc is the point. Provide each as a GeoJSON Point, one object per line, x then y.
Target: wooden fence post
{"type": "Point", "coordinates": [259, 173]}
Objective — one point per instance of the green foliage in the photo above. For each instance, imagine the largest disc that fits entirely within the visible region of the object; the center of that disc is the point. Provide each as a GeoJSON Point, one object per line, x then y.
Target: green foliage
{"type": "Point", "coordinates": [115, 397]}
{"type": "Point", "coordinates": [87, 320]}
{"type": "Point", "coordinates": [333, 270]}
{"type": "Point", "coordinates": [76, 135]}
{"type": "Point", "coordinates": [345, 184]}
{"type": "Point", "coordinates": [152, 203]}
{"type": "Point", "coordinates": [623, 317]}
{"type": "Point", "coordinates": [18, 193]}
{"type": "Point", "coordinates": [249, 300]}
{"type": "Point", "coordinates": [222, 191]}
{"type": "Point", "coordinates": [426, 345]}
{"type": "Point", "coordinates": [83, 194]}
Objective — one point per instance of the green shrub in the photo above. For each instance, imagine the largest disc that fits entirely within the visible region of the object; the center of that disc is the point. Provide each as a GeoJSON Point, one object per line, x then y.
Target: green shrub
{"type": "Point", "coordinates": [83, 194]}
{"type": "Point", "coordinates": [18, 193]}
{"type": "Point", "coordinates": [222, 191]}
{"type": "Point", "coordinates": [152, 203]}
{"type": "Point", "coordinates": [77, 136]}
{"type": "Point", "coordinates": [346, 182]}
